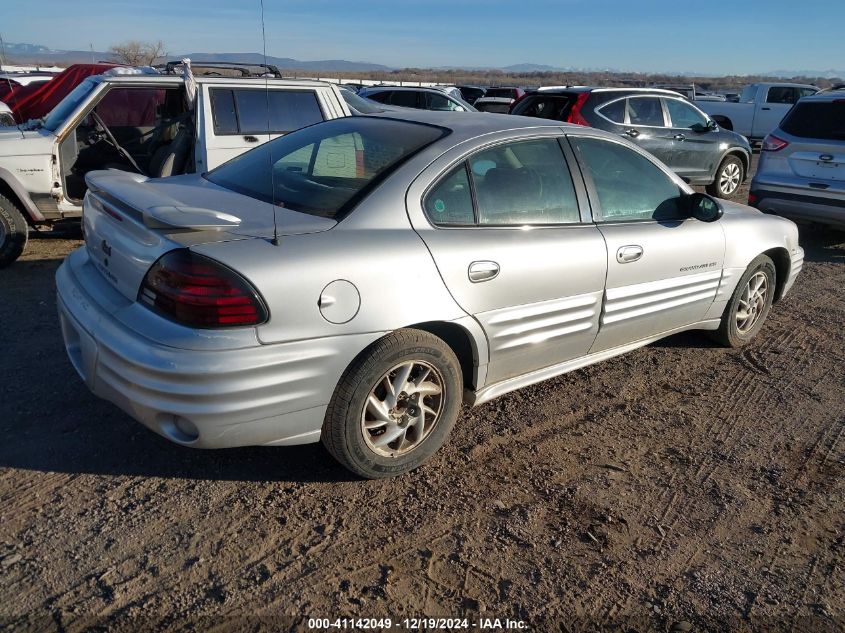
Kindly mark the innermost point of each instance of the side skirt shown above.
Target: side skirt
(475, 398)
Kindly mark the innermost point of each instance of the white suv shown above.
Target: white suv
(144, 124)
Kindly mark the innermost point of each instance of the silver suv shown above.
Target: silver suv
(802, 163)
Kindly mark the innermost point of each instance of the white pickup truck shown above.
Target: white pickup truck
(760, 108)
(142, 123)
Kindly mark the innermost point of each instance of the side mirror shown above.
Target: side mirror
(704, 208)
(460, 108)
(712, 125)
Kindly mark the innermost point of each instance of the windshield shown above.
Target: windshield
(66, 106)
(327, 168)
(749, 93)
(359, 104)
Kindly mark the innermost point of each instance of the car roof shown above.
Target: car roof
(833, 94)
(203, 79)
(406, 88)
(580, 89)
(467, 125)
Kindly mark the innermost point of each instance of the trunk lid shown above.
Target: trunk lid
(129, 221)
(818, 160)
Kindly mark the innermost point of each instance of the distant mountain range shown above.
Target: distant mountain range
(37, 54)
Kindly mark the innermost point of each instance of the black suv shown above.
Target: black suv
(660, 121)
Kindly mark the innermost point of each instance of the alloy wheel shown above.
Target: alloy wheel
(402, 409)
(729, 178)
(752, 302)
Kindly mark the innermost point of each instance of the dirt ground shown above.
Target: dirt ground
(682, 486)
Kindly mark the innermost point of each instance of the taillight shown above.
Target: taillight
(197, 291)
(575, 115)
(752, 199)
(773, 143)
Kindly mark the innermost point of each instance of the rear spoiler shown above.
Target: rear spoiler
(126, 195)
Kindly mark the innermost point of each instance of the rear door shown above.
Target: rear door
(239, 118)
(646, 125)
(504, 229)
(663, 267)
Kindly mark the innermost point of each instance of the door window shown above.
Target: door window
(526, 182)
(254, 111)
(645, 111)
(628, 185)
(684, 115)
(439, 102)
(450, 202)
(781, 94)
(404, 98)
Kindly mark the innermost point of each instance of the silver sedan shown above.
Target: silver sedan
(356, 281)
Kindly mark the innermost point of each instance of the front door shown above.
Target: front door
(663, 267)
(696, 147)
(504, 229)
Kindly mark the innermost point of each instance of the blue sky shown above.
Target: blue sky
(715, 36)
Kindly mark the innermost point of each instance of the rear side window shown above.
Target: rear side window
(614, 111)
(628, 185)
(553, 107)
(823, 120)
(515, 184)
(245, 111)
(645, 111)
(450, 202)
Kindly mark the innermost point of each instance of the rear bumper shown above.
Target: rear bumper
(798, 205)
(260, 395)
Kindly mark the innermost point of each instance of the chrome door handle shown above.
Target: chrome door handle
(680, 137)
(628, 254)
(483, 271)
(249, 138)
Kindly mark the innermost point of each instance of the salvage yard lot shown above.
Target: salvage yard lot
(681, 482)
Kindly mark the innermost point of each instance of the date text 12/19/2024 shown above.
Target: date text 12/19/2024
(414, 624)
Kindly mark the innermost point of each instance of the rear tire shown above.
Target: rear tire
(14, 232)
(729, 177)
(395, 405)
(749, 305)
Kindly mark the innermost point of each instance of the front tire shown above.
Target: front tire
(749, 305)
(729, 176)
(14, 232)
(395, 405)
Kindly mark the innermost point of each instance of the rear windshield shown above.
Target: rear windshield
(327, 168)
(817, 119)
(554, 107)
(507, 93)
